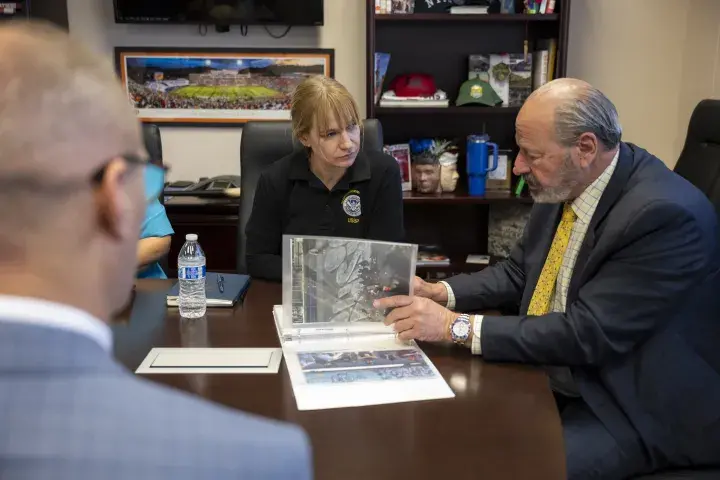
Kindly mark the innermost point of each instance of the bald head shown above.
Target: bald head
(61, 108)
(70, 198)
(572, 107)
(561, 89)
(568, 133)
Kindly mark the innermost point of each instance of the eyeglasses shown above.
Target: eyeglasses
(154, 175)
(154, 179)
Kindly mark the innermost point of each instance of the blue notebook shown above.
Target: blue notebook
(221, 289)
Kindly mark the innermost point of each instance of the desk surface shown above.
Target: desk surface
(503, 422)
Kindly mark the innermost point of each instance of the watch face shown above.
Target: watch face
(461, 329)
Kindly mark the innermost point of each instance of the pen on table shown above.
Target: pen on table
(221, 283)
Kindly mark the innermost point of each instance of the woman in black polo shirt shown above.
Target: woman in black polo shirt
(331, 188)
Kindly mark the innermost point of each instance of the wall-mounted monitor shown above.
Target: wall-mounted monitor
(220, 12)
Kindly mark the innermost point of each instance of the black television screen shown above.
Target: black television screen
(220, 12)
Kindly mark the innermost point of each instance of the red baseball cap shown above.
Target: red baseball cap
(414, 85)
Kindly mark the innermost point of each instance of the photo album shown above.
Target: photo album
(337, 349)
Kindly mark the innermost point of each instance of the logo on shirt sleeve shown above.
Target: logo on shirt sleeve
(351, 205)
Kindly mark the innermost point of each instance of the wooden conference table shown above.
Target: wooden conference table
(502, 424)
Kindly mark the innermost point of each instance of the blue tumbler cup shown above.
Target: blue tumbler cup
(477, 162)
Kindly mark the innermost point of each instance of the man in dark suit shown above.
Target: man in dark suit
(616, 285)
(74, 187)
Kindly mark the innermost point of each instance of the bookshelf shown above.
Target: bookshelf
(440, 44)
(444, 17)
(54, 11)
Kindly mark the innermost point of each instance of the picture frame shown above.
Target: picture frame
(216, 86)
(500, 179)
(401, 153)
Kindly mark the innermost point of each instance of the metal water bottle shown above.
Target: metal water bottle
(477, 162)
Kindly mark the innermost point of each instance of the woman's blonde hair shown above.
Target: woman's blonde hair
(319, 99)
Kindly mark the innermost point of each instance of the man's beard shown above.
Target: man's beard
(569, 180)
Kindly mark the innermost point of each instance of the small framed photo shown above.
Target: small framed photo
(401, 153)
(500, 179)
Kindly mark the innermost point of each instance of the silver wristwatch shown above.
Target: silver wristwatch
(460, 329)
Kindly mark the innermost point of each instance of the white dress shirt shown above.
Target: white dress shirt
(33, 311)
(584, 207)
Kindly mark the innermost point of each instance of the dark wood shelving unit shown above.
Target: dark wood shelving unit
(456, 266)
(452, 110)
(445, 17)
(461, 197)
(440, 44)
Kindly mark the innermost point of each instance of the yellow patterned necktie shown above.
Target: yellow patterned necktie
(540, 301)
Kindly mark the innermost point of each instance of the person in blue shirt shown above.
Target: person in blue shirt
(156, 229)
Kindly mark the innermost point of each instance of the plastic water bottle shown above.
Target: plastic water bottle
(191, 277)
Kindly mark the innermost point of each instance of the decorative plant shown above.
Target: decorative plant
(430, 149)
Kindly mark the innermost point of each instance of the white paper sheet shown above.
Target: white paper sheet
(371, 370)
(211, 360)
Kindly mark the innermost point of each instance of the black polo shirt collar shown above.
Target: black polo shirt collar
(358, 172)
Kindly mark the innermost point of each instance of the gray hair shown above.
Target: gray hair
(588, 111)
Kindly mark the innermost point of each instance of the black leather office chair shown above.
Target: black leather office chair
(699, 161)
(700, 474)
(153, 145)
(265, 142)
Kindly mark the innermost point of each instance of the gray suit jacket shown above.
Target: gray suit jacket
(68, 411)
(641, 331)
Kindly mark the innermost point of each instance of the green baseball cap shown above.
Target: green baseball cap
(477, 91)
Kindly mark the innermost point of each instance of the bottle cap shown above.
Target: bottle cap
(191, 237)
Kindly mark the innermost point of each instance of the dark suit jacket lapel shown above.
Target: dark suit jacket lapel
(610, 196)
(548, 215)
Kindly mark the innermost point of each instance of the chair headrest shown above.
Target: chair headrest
(703, 123)
(153, 143)
(265, 142)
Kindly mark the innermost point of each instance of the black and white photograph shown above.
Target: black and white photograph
(336, 280)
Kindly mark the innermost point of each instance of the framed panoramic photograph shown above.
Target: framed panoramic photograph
(196, 86)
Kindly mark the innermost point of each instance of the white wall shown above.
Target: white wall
(194, 152)
(655, 59)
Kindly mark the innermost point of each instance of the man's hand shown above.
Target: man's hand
(417, 318)
(434, 291)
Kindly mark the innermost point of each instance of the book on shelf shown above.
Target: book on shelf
(401, 153)
(509, 74)
(389, 99)
(540, 68)
(384, 7)
(544, 61)
(382, 61)
(432, 258)
(338, 351)
(469, 9)
(543, 7)
(478, 259)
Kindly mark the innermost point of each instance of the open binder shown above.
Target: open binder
(338, 351)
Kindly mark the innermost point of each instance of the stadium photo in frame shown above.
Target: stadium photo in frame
(214, 86)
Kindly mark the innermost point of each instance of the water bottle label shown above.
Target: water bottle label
(191, 273)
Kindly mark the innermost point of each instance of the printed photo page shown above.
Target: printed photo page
(329, 284)
(362, 370)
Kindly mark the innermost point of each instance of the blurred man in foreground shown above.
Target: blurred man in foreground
(615, 283)
(73, 196)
